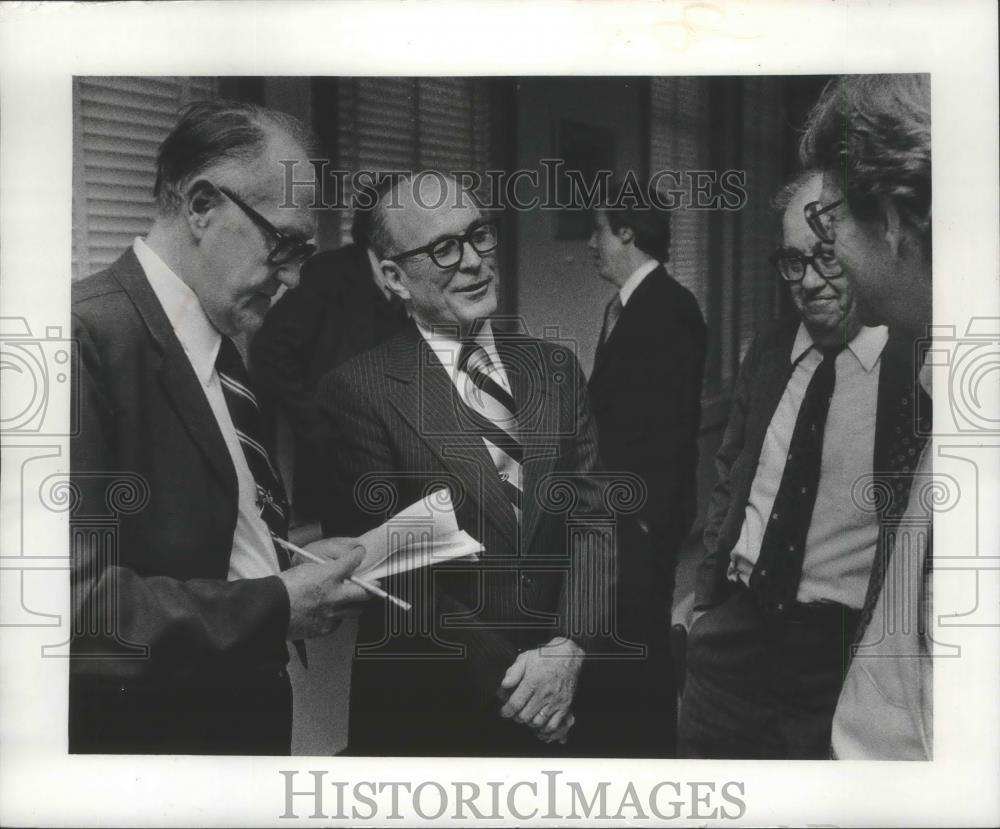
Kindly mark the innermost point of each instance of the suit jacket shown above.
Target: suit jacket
(765, 372)
(335, 313)
(157, 627)
(646, 392)
(396, 429)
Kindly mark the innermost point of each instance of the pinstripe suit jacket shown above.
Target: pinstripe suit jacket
(395, 429)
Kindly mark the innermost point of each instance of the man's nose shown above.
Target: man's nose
(289, 275)
(471, 258)
(811, 280)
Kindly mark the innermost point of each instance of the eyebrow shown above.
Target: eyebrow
(455, 235)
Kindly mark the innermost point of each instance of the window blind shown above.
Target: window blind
(762, 160)
(412, 123)
(678, 127)
(119, 123)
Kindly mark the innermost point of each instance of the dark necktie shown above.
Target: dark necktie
(493, 411)
(905, 447)
(249, 424)
(775, 578)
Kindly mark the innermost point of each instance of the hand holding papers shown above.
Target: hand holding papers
(423, 534)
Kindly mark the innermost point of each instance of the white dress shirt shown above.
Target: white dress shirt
(253, 554)
(842, 538)
(635, 280)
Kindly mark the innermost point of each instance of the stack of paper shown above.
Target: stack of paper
(423, 534)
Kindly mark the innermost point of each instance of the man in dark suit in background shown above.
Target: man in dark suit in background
(646, 393)
(180, 620)
(340, 309)
(487, 661)
(821, 401)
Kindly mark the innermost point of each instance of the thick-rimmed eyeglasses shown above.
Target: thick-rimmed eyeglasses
(447, 251)
(287, 249)
(820, 221)
(791, 264)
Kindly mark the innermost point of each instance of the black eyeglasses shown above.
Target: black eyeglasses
(447, 252)
(287, 249)
(819, 220)
(791, 264)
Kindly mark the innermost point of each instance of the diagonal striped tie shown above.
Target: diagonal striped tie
(493, 411)
(249, 424)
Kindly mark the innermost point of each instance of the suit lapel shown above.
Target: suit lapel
(531, 383)
(177, 377)
(429, 403)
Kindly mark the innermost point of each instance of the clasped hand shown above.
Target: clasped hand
(538, 689)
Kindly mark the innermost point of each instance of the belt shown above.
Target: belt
(811, 613)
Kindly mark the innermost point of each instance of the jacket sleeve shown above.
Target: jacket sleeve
(707, 584)
(127, 625)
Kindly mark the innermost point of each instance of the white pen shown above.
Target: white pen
(374, 589)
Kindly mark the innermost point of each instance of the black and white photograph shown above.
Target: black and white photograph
(416, 433)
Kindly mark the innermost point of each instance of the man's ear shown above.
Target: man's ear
(395, 279)
(626, 235)
(199, 201)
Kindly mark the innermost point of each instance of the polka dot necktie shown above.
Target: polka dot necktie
(775, 578)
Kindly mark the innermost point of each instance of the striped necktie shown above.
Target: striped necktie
(249, 424)
(493, 411)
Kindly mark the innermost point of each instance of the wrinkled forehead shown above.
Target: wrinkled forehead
(428, 207)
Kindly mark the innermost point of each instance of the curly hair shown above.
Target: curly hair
(873, 132)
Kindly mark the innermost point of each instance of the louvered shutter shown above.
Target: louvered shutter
(119, 124)
(410, 124)
(762, 113)
(678, 130)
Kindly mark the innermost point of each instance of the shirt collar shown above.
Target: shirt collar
(635, 280)
(447, 348)
(866, 346)
(199, 338)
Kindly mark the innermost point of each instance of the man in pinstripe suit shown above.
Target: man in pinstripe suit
(488, 660)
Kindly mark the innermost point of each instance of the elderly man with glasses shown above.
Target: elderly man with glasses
(789, 542)
(183, 615)
(488, 660)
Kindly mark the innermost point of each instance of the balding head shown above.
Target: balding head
(426, 211)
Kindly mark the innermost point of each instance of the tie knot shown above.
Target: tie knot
(229, 361)
(830, 352)
(472, 356)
